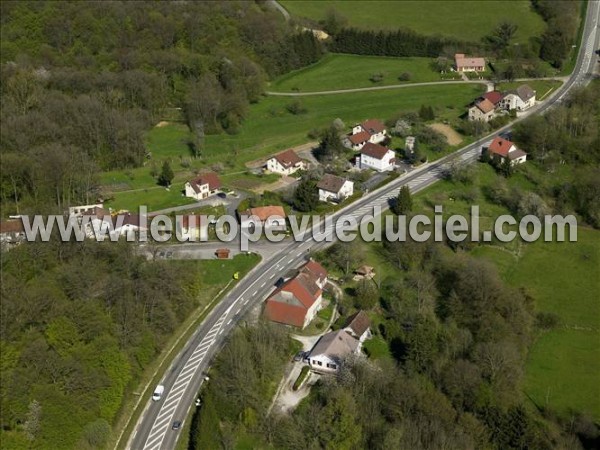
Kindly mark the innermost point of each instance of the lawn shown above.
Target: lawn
(337, 71)
(269, 128)
(466, 20)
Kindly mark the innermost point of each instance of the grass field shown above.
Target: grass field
(269, 128)
(467, 20)
(337, 71)
(563, 278)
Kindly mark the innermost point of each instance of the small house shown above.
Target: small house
(331, 349)
(334, 188)
(504, 149)
(203, 186)
(377, 157)
(285, 163)
(468, 64)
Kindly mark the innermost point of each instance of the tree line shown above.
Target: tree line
(394, 43)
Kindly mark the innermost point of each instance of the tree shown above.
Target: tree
(306, 196)
(501, 36)
(345, 254)
(166, 175)
(330, 145)
(334, 21)
(33, 424)
(426, 113)
(404, 202)
(367, 294)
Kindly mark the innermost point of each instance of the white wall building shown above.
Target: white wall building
(334, 188)
(377, 157)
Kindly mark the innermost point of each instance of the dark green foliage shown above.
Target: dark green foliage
(560, 34)
(392, 43)
(166, 175)
(501, 36)
(306, 196)
(426, 113)
(296, 108)
(330, 146)
(403, 203)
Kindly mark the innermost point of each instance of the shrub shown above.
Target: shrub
(301, 378)
(406, 76)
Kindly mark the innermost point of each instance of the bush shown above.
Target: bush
(296, 108)
(546, 321)
(406, 76)
(376, 77)
(301, 378)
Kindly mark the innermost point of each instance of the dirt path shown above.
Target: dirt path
(453, 137)
(399, 86)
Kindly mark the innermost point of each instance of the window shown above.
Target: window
(331, 366)
(319, 363)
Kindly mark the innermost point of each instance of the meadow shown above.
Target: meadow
(466, 20)
(269, 128)
(338, 71)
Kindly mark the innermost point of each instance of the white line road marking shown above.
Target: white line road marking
(263, 285)
(291, 259)
(246, 301)
(255, 292)
(230, 320)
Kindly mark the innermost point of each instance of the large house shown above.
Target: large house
(483, 111)
(285, 163)
(471, 64)
(489, 104)
(519, 99)
(371, 130)
(270, 217)
(504, 149)
(298, 299)
(358, 325)
(203, 186)
(331, 349)
(376, 157)
(78, 211)
(334, 188)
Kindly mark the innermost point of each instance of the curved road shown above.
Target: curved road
(184, 378)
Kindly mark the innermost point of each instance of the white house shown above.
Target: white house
(358, 325)
(520, 99)
(203, 187)
(285, 163)
(505, 149)
(78, 211)
(371, 130)
(270, 217)
(330, 351)
(377, 157)
(468, 64)
(483, 111)
(334, 188)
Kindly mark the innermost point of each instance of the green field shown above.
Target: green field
(269, 128)
(337, 71)
(467, 20)
(563, 365)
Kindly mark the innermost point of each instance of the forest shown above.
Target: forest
(80, 321)
(82, 82)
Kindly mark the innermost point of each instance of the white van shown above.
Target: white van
(158, 392)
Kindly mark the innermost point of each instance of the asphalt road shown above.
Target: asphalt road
(184, 378)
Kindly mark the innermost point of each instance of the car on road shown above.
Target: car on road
(176, 425)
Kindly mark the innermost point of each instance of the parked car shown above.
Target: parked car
(299, 356)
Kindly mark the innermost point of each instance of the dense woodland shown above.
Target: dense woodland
(81, 83)
(79, 323)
